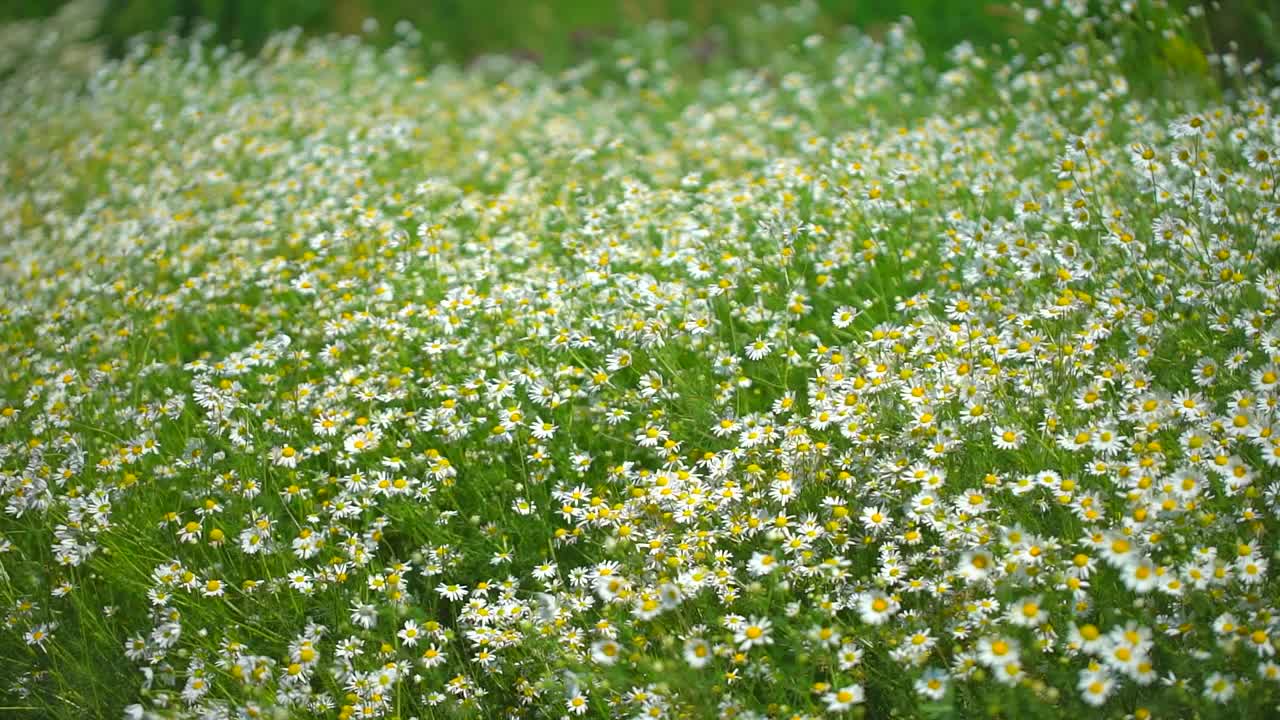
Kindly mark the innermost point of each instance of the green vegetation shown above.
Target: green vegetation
(560, 33)
(844, 373)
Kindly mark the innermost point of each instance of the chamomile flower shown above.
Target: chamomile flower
(526, 408)
(844, 698)
(1095, 686)
(875, 608)
(932, 684)
(754, 633)
(409, 634)
(1219, 688)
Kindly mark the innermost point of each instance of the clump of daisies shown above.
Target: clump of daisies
(831, 386)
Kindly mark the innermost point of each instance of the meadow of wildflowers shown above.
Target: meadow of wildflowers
(836, 385)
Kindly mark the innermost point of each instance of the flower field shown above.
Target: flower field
(828, 385)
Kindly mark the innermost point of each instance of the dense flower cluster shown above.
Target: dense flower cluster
(833, 385)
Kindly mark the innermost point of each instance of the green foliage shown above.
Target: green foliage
(559, 33)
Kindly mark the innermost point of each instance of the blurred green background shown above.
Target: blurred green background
(559, 32)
